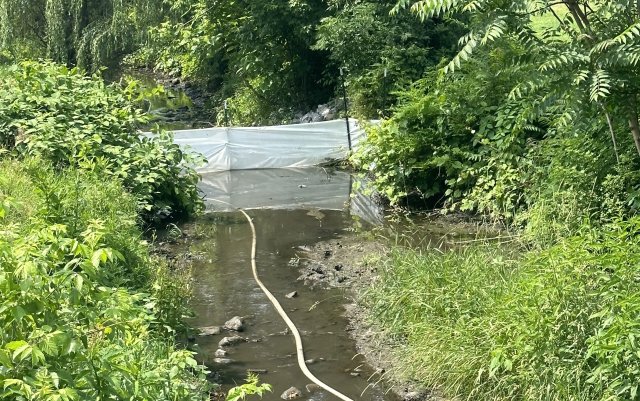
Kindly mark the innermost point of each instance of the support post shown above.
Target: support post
(346, 108)
(226, 115)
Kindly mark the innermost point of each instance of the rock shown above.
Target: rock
(209, 331)
(292, 294)
(294, 262)
(312, 387)
(235, 324)
(291, 393)
(328, 253)
(220, 353)
(222, 361)
(311, 117)
(232, 340)
(326, 112)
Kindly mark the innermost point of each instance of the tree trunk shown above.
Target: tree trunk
(580, 19)
(633, 124)
(612, 132)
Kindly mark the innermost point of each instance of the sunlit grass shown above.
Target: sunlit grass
(490, 323)
(548, 21)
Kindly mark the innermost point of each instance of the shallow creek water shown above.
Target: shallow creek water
(290, 209)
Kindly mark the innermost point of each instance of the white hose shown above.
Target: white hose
(285, 317)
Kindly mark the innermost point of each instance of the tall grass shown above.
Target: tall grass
(485, 323)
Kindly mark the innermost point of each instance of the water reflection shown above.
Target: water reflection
(295, 188)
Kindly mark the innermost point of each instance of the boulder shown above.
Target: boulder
(291, 393)
(232, 340)
(235, 323)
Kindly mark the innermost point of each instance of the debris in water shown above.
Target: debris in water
(209, 331)
(257, 371)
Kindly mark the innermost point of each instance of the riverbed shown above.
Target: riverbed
(292, 210)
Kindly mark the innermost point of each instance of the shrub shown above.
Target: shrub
(62, 116)
(80, 294)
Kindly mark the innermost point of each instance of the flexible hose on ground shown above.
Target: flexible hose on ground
(285, 317)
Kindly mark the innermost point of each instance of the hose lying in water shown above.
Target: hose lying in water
(285, 317)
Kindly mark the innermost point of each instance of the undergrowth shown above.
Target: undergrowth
(489, 323)
(85, 308)
(72, 120)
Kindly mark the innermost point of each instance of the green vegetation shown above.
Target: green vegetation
(87, 312)
(86, 33)
(489, 323)
(85, 308)
(68, 119)
(533, 123)
(524, 112)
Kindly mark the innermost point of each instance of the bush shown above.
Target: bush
(80, 315)
(68, 119)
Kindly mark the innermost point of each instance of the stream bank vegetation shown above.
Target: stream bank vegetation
(524, 112)
(534, 123)
(87, 312)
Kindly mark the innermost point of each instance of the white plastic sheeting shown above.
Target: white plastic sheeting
(281, 146)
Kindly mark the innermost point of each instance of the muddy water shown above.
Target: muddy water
(224, 287)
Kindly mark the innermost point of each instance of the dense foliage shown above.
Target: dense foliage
(60, 115)
(271, 59)
(84, 310)
(523, 111)
(539, 113)
(87, 33)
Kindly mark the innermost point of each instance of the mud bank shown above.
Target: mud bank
(351, 262)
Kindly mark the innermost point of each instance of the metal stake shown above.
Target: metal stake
(346, 107)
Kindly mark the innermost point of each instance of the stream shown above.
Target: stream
(292, 209)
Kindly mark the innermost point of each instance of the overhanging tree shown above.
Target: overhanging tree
(587, 58)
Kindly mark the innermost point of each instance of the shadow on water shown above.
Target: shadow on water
(290, 208)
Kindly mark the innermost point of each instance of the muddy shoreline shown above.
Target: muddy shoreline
(344, 259)
(352, 261)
